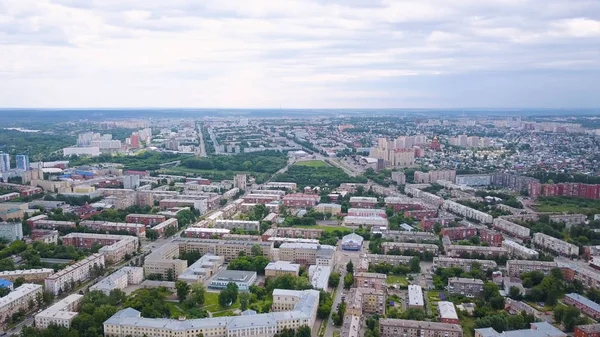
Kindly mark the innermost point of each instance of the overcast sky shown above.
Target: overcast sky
(300, 54)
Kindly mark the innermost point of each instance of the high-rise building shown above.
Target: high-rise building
(23, 162)
(4, 162)
(131, 182)
(134, 141)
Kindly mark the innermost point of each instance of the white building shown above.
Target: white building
(79, 271)
(512, 228)
(319, 276)
(243, 224)
(515, 249)
(467, 212)
(11, 231)
(120, 279)
(415, 296)
(201, 270)
(556, 245)
(92, 151)
(365, 221)
(62, 313)
(19, 299)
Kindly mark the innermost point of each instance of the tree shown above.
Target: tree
(514, 293)
(198, 293)
(244, 300)
(348, 281)
(170, 275)
(303, 331)
(415, 264)
(256, 250)
(182, 290)
(490, 290)
(229, 295)
(19, 282)
(334, 279)
(350, 267)
(497, 302)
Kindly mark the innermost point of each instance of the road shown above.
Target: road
(201, 141)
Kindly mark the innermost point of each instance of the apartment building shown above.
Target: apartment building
(589, 330)
(114, 247)
(474, 180)
(136, 229)
(79, 271)
(588, 276)
(260, 198)
(29, 275)
(328, 208)
(291, 232)
(464, 264)
(205, 232)
(538, 329)
(389, 327)
(363, 202)
(120, 279)
(242, 224)
(201, 270)
(199, 204)
(491, 237)
(399, 177)
(319, 276)
(367, 212)
(278, 268)
(307, 253)
(568, 219)
(370, 280)
(12, 210)
(420, 214)
(61, 313)
(459, 251)
(408, 246)
(162, 227)
(279, 185)
(146, 219)
(512, 228)
(11, 231)
(394, 260)
(459, 233)
(514, 268)
(303, 311)
(365, 221)
(588, 307)
(406, 236)
(401, 203)
(228, 249)
(467, 212)
(518, 250)
(427, 224)
(47, 236)
(556, 245)
(163, 261)
(468, 287)
(362, 301)
(301, 200)
(52, 224)
(433, 176)
(18, 300)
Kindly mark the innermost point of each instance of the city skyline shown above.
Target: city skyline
(311, 54)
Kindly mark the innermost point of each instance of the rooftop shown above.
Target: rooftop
(234, 275)
(283, 266)
(585, 301)
(447, 310)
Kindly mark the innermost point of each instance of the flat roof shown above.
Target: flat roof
(234, 275)
(415, 295)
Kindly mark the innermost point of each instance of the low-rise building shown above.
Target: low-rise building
(228, 249)
(459, 233)
(460, 251)
(114, 247)
(365, 221)
(278, 268)
(164, 262)
(556, 245)
(242, 224)
(407, 236)
(319, 276)
(162, 227)
(19, 300)
(137, 229)
(415, 296)
(394, 260)
(146, 219)
(389, 327)
(468, 287)
(370, 280)
(205, 232)
(464, 264)
(587, 306)
(491, 237)
(589, 330)
(467, 212)
(514, 268)
(363, 202)
(61, 314)
(47, 236)
(538, 329)
(79, 271)
(201, 270)
(447, 312)
(243, 279)
(327, 208)
(296, 200)
(367, 212)
(387, 247)
(120, 279)
(512, 228)
(517, 250)
(28, 275)
(307, 253)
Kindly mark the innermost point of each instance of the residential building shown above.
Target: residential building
(300, 200)
(491, 237)
(243, 279)
(278, 268)
(512, 228)
(318, 276)
(408, 236)
(460, 251)
(292, 232)
(307, 253)
(47, 236)
(11, 231)
(242, 224)
(205, 232)
(228, 249)
(12, 210)
(29, 275)
(363, 202)
(240, 181)
(280, 185)
(163, 261)
(568, 219)
(517, 250)
(4, 162)
(367, 212)
(61, 313)
(146, 219)
(538, 329)
(394, 260)
(587, 306)
(19, 300)
(402, 203)
(514, 268)
(22, 162)
(120, 279)
(365, 221)
(467, 212)
(433, 176)
(589, 330)
(415, 296)
(394, 158)
(447, 312)
(79, 271)
(370, 280)
(408, 246)
(464, 264)
(468, 287)
(389, 327)
(161, 228)
(556, 245)
(399, 177)
(459, 233)
(474, 180)
(114, 247)
(133, 228)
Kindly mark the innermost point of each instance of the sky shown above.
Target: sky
(300, 54)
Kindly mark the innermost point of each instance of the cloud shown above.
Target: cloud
(294, 53)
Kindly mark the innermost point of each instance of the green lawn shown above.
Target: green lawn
(567, 204)
(397, 279)
(326, 228)
(312, 163)
(468, 324)
(211, 303)
(176, 311)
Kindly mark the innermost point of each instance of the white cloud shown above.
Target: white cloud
(262, 53)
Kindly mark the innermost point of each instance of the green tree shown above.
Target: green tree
(198, 293)
(229, 295)
(514, 293)
(256, 250)
(415, 264)
(303, 331)
(244, 300)
(334, 279)
(350, 267)
(348, 281)
(183, 290)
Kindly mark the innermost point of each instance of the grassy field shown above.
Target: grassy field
(211, 303)
(176, 311)
(326, 228)
(396, 279)
(468, 324)
(312, 163)
(433, 297)
(567, 204)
